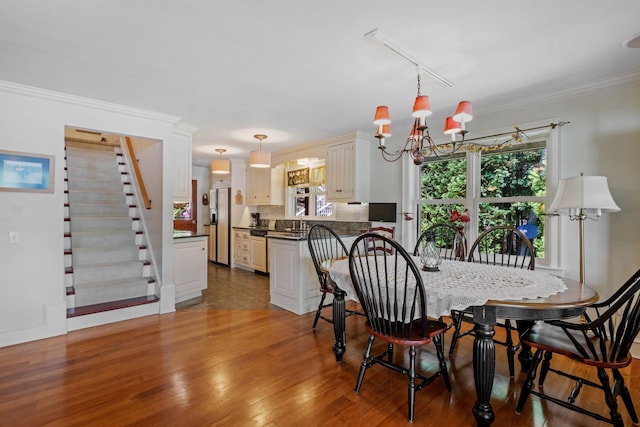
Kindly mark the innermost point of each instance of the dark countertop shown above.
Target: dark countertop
(180, 234)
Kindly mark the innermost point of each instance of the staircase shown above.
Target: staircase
(106, 264)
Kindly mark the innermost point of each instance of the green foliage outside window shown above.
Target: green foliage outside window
(503, 174)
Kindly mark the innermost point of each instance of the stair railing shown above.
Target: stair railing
(138, 174)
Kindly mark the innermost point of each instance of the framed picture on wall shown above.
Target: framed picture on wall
(26, 172)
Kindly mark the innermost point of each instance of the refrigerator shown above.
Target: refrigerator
(220, 226)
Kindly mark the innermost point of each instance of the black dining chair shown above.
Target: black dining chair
(325, 244)
(393, 297)
(602, 342)
(448, 240)
(502, 246)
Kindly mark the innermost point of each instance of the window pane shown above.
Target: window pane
(514, 173)
(302, 206)
(323, 208)
(444, 179)
(524, 215)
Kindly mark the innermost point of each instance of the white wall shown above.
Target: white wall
(603, 138)
(32, 292)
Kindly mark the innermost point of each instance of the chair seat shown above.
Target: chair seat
(548, 337)
(407, 333)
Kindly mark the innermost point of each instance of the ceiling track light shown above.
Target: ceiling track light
(376, 36)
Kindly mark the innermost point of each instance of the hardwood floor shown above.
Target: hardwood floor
(232, 359)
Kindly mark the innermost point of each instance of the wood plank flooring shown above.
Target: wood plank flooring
(232, 359)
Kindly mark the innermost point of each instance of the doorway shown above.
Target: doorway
(185, 214)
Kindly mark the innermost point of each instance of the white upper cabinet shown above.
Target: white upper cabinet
(265, 186)
(182, 136)
(348, 169)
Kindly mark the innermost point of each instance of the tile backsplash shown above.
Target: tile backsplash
(349, 219)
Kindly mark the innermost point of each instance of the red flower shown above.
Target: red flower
(456, 217)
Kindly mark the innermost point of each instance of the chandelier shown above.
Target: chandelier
(419, 143)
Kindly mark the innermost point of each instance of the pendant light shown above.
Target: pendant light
(260, 159)
(220, 166)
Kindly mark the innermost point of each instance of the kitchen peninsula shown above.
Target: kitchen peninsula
(293, 282)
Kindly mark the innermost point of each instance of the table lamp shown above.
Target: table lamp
(583, 197)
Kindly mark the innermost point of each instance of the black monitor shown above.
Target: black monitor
(382, 212)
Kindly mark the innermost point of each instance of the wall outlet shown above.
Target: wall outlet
(14, 237)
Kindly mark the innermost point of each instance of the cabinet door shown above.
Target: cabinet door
(190, 267)
(253, 185)
(182, 165)
(340, 172)
(259, 253)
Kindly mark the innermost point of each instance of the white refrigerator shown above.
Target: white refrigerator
(220, 227)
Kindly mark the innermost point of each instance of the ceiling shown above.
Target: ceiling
(302, 71)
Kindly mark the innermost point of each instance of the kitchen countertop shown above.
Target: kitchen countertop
(287, 234)
(181, 234)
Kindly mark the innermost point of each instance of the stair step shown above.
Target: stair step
(103, 238)
(95, 185)
(104, 223)
(112, 254)
(98, 209)
(91, 274)
(113, 290)
(106, 174)
(112, 305)
(76, 196)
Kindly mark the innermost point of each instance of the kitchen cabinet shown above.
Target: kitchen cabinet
(189, 267)
(347, 167)
(293, 282)
(181, 162)
(259, 253)
(265, 186)
(242, 248)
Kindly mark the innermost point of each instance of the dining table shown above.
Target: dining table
(491, 292)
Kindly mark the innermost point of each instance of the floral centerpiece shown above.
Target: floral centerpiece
(458, 219)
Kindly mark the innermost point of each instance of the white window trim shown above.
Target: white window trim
(411, 177)
(290, 206)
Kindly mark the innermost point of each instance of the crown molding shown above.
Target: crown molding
(49, 95)
(570, 92)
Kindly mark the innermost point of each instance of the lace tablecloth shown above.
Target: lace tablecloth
(459, 285)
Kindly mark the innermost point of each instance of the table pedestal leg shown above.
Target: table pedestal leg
(484, 363)
(338, 323)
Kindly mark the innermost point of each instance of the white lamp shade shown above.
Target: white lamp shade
(220, 167)
(583, 192)
(260, 159)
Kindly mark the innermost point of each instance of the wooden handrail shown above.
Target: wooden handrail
(136, 170)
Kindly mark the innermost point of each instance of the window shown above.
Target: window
(307, 193)
(501, 187)
(311, 201)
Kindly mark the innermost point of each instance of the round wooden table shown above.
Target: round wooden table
(569, 302)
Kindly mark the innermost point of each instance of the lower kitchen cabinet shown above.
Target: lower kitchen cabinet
(259, 260)
(189, 267)
(293, 282)
(242, 248)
